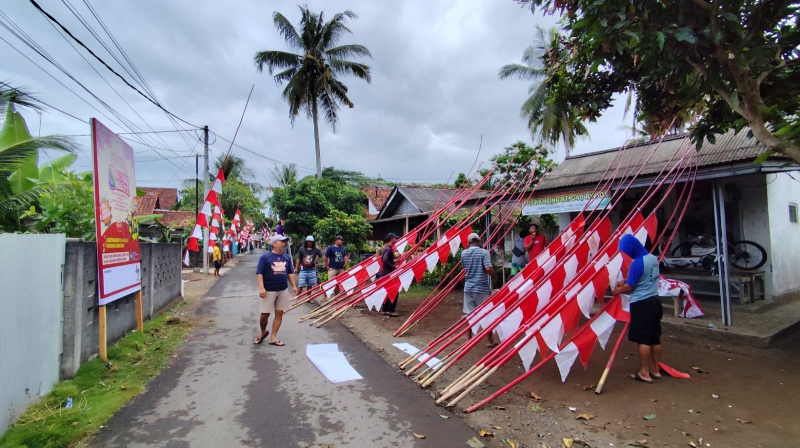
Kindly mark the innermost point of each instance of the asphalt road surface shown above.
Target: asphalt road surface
(223, 391)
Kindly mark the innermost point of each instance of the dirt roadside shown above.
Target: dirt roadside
(745, 399)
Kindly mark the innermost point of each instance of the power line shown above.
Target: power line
(40, 101)
(263, 156)
(53, 19)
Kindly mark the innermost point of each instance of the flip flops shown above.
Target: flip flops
(636, 377)
(277, 343)
(258, 341)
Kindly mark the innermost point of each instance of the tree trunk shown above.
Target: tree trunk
(316, 136)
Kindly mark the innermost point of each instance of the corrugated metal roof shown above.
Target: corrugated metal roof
(589, 168)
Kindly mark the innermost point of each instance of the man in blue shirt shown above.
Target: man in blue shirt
(336, 258)
(477, 264)
(646, 311)
(274, 274)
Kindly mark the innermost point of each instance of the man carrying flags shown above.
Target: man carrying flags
(478, 267)
(275, 273)
(646, 310)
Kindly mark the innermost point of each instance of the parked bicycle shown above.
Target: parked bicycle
(703, 251)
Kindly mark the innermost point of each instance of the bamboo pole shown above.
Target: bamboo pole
(139, 312)
(603, 377)
(102, 336)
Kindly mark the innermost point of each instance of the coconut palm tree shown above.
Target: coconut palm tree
(549, 122)
(311, 73)
(284, 175)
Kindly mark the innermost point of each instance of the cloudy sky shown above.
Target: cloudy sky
(434, 89)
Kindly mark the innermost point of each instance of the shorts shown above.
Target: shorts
(275, 300)
(646, 321)
(473, 299)
(333, 273)
(516, 268)
(307, 278)
(217, 264)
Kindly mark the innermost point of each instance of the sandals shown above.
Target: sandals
(277, 343)
(258, 341)
(636, 377)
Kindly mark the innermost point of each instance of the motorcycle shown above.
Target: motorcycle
(703, 251)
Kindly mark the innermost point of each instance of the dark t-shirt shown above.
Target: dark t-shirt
(276, 269)
(335, 256)
(308, 258)
(388, 260)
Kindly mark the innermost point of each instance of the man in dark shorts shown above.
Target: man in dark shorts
(646, 311)
(388, 261)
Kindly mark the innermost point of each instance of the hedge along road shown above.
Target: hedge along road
(224, 391)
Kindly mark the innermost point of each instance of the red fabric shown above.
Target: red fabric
(672, 372)
(444, 252)
(571, 315)
(464, 234)
(616, 311)
(361, 275)
(419, 267)
(600, 283)
(538, 245)
(212, 197)
(584, 340)
(221, 175)
(392, 287)
(192, 246)
(202, 220)
(651, 225)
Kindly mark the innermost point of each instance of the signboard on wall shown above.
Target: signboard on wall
(567, 202)
(118, 256)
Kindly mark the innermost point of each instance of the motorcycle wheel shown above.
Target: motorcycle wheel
(746, 255)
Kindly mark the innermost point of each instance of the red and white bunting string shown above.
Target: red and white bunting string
(209, 216)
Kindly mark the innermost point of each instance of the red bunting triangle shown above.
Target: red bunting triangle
(212, 197)
(600, 283)
(584, 340)
(202, 220)
(392, 287)
(571, 315)
(419, 268)
(361, 275)
(192, 246)
(444, 252)
(651, 225)
(221, 175)
(464, 234)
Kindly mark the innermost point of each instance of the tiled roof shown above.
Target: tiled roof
(146, 204)
(377, 195)
(167, 197)
(590, 168)
(176, 219)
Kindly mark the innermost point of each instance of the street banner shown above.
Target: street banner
(118, 256)
(564, 203)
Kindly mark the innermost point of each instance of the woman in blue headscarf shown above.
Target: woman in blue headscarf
(646, 310)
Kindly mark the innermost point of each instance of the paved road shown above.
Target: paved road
(223, 391)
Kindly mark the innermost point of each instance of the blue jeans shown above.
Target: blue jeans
(307, 278)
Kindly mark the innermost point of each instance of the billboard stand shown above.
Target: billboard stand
(116, 225)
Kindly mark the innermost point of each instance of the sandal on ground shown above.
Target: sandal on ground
(257, 341)
(655, 377)
(492, 345)
(636, 377)
(277, 343)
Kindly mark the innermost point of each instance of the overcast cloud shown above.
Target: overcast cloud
(434, 88)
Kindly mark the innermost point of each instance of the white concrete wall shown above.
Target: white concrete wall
(754, 219)
(30, 320)
(781, 191)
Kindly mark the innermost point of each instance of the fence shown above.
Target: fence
(30, 320)
(161, 284)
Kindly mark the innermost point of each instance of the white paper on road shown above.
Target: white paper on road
(331, 362)
(411, 350)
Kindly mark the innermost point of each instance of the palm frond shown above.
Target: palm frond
(288, 31)
(346, 51)
(17, 96)
(12, 155)
(332, 31)
(276, 60)
(285, 75)
(357, 69)
(330, 108)
(520, 72)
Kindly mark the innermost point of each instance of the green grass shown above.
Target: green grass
(98, 391)
(417, 290)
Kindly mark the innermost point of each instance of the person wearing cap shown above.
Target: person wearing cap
(274, 274)
(641, 286)
(477, 264)
(388, 262)
(307, 258)
(336, 258)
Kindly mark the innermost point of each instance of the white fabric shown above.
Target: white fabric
(401, 245)
(566, 359)
(602, 326)
(214, 223)
(329, 287)
(349, 283)
(411, 350)
(542, 257)
(373, 268)
(572, 292)
(217, 210)
(548, 265)
(455, 243)
(186, 258)
(528, 352)
(614, 266)
(510, 324)
(543, 294)
(493, 315)
(375, 300)
(553, 332)
(217, 186)
(431, 260)
(206, 210)
(331, 362)
(586, 299)
(212, 237)
(197, 232)
(515, 281)
(474, 321)
(570, 269)
(602, 262)
(406, 278)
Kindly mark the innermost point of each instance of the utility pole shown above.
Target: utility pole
(205, 195)
(196, 184)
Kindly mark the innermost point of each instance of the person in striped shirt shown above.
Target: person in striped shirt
(478, 267)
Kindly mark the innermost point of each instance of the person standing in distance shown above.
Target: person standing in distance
(274, 274)
(217, 256)
(534, 243)
(336, 257)
(388, 261)
(519, 259)
(307, 258)
(646, 310)
(478, 267)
